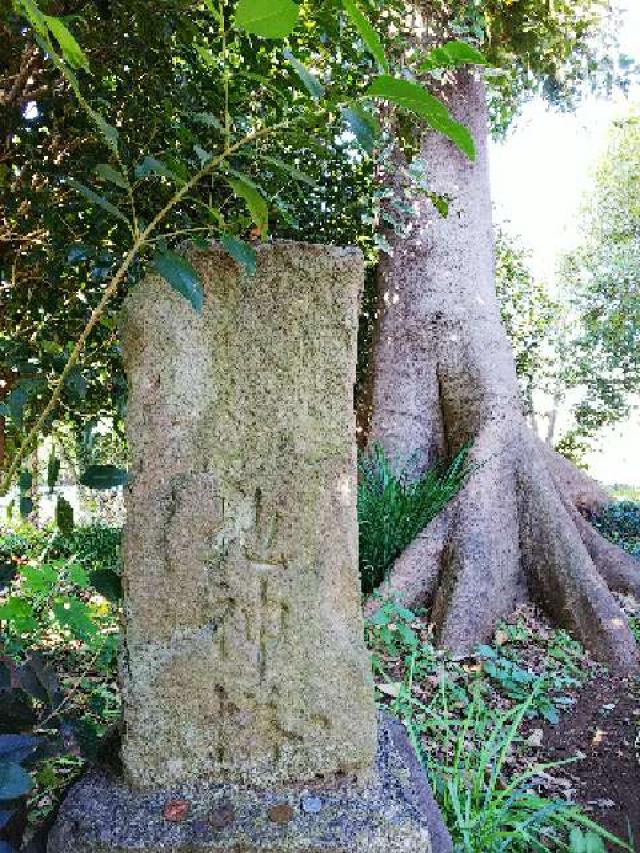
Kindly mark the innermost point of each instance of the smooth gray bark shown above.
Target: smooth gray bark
(444, 375)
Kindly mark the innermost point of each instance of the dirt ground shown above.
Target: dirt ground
(604, 727)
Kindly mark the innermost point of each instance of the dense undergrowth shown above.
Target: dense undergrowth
(59, 614)
(620, 523)
(467, 720)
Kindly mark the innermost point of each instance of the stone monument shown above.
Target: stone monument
(249, 716)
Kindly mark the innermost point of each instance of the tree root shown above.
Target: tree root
(515, 533)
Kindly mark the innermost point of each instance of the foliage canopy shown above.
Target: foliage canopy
(163, 95)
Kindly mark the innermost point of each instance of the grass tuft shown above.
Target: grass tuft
(393, 509)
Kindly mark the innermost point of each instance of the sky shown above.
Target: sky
(540, 175)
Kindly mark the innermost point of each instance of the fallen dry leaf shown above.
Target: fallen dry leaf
(392, 690)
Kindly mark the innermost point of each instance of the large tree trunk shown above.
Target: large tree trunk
(444, 375)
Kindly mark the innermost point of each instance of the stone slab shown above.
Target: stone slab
(393, 812)
(244, 659)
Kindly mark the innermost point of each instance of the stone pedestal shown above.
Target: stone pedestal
(393, 812)
(246, 682)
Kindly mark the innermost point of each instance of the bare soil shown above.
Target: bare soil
(604, 729)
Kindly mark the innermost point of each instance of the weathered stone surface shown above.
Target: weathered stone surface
(248, 701)
(393, 813)
(244, 657)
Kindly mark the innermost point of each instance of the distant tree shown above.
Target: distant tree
(532, 321)
(601, 278)
(559, 50)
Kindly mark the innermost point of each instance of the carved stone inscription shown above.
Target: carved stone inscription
(244, 657)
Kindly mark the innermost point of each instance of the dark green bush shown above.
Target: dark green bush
(35, 561)
(620, 523)
(97, 546)
(94, 546)
(393, 509)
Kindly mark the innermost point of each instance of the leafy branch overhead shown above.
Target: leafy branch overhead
(215, 189)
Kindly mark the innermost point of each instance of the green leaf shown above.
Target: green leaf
(271, 19)
(215, 11)
(245, 189)
(18, 613)
(366, 32)
(33, 15)
(413, 97)
(64, 516)
(71, 50)
(363, 125)
(74, 614)
(104, 477)
(461, 52)
(153, 166)
(551, 715)
(407, 634)
(53, 470)
(208, 120)
(110, 133)
(26, 506)
(202, 155)
(241, 252)
(182, 277)
(458, 134)
(77, 575)
(451, 54)
(485, 651)
(41, 579)
(407, 94)
(577, 841)
(25, 481)
(311, 84)
(441, 204)
(108, 173)
(14, 781)
(96, 199)
(296, 174)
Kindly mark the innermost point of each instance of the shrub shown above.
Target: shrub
(93, 547)
(393, 509)
(58, 646)
(620, 523)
